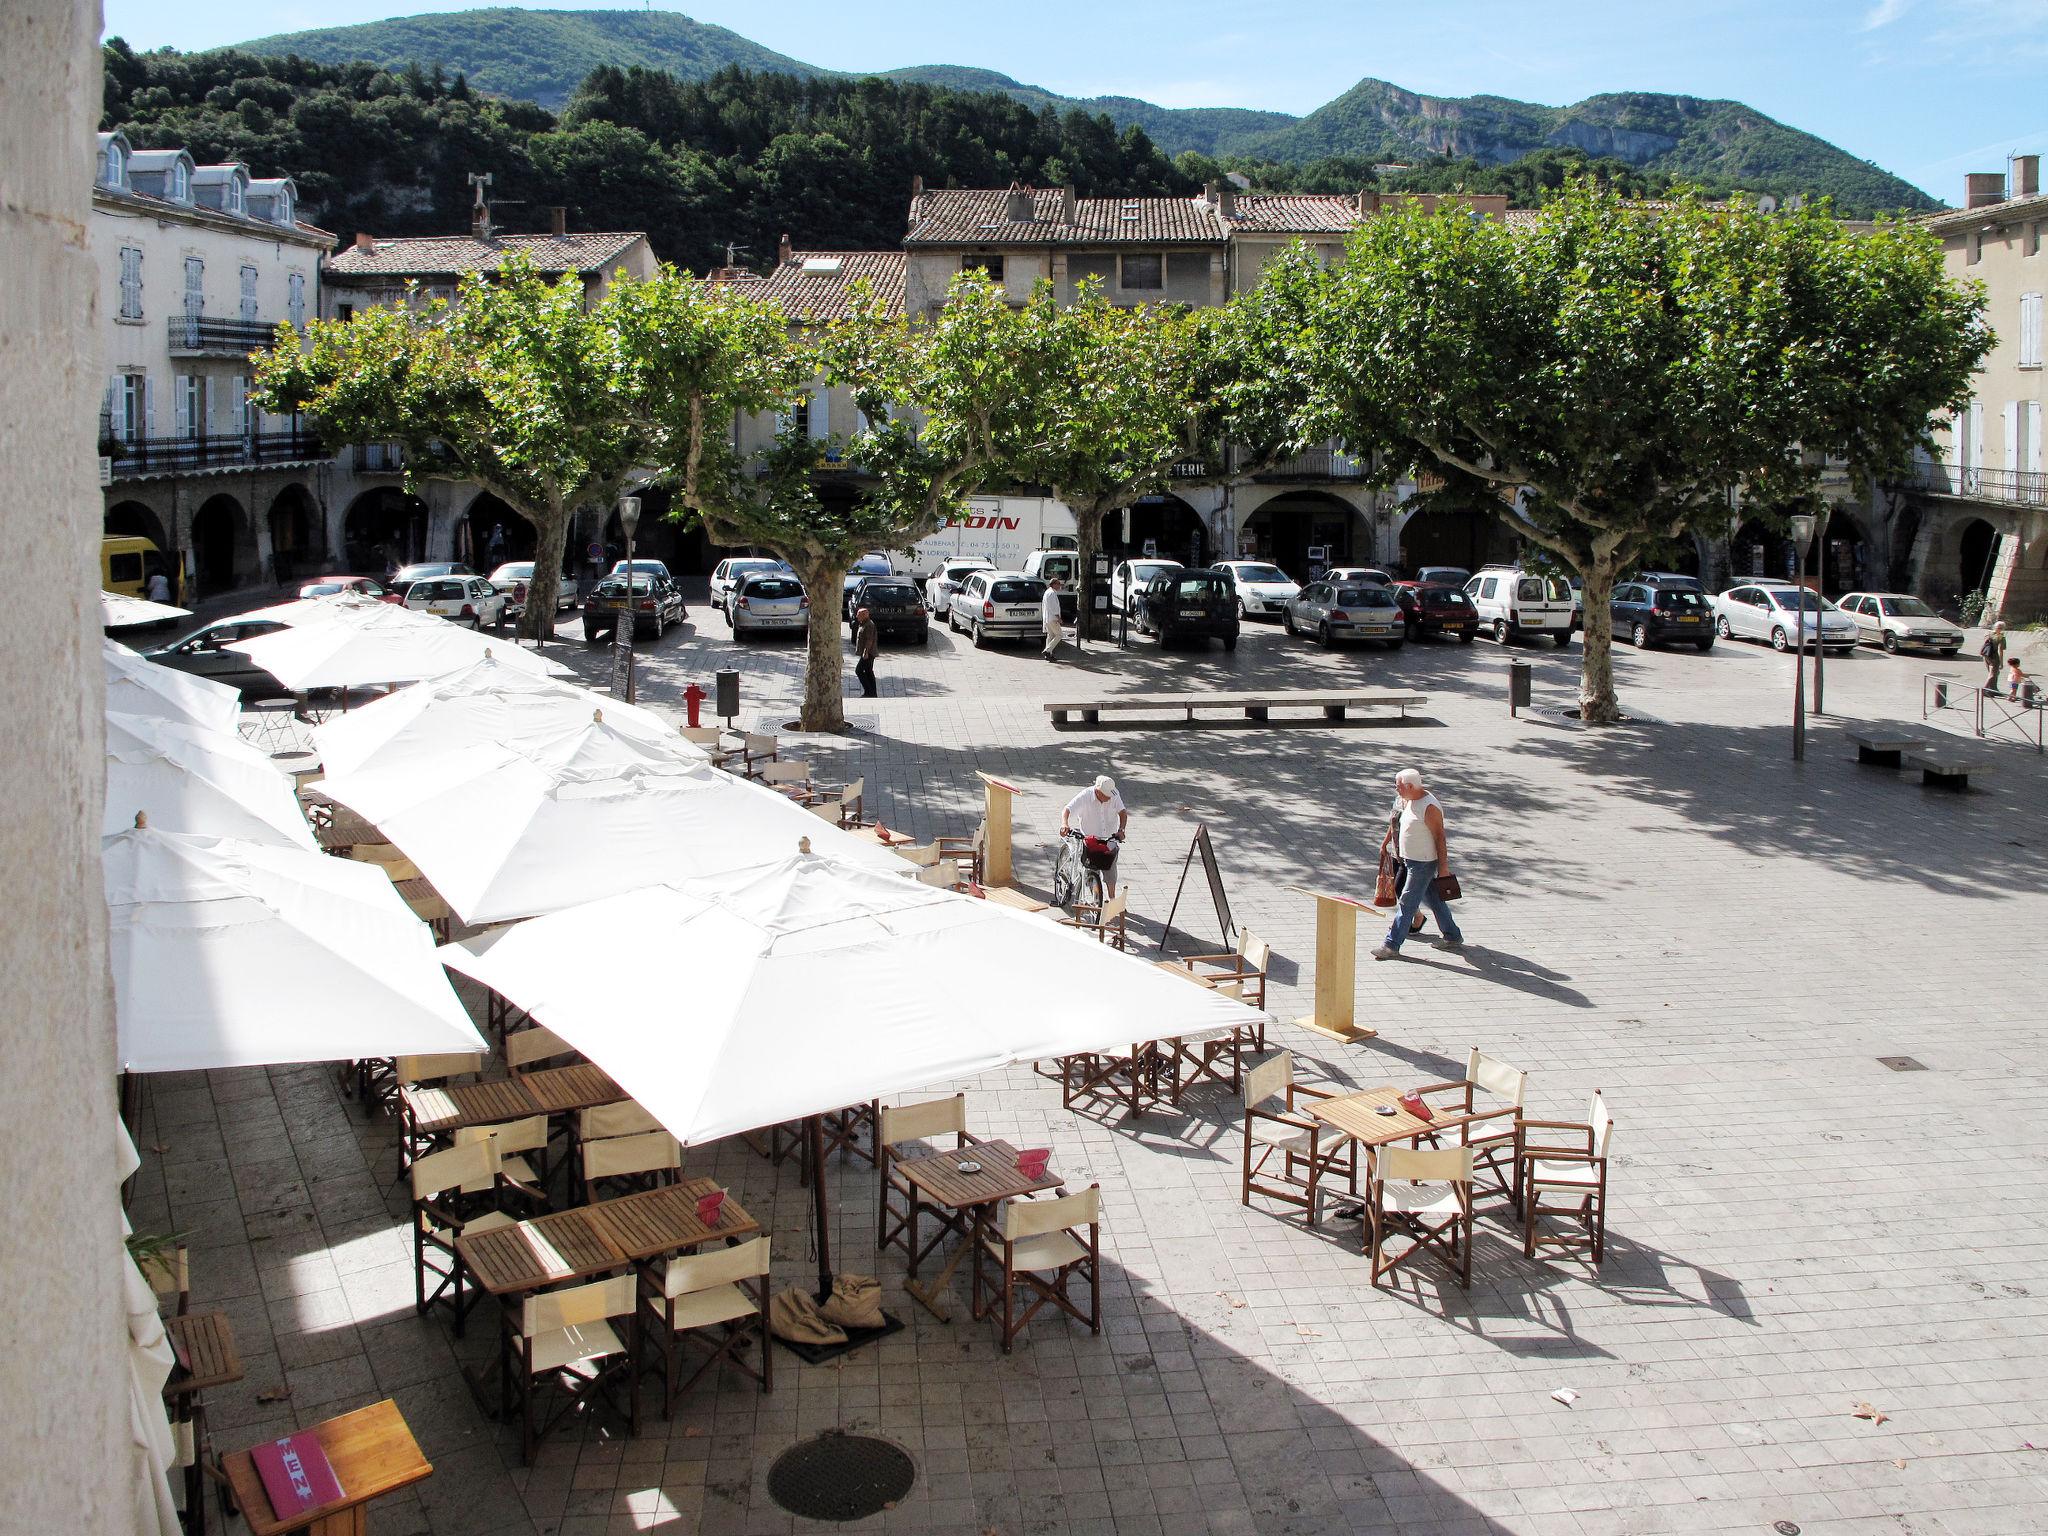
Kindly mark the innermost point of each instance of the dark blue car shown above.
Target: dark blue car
(1663, 611)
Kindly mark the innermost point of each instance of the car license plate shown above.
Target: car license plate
(1688, 618)
(1191, 613)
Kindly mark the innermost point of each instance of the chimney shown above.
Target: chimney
(1222, 196)
(366, 242)
(785, 253)
(1983, 188)
(480, 220)
(558, 221)
(1020, 205)
(2026, 175)
(1067, 208)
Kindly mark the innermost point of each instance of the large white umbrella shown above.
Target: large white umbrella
(237, 954)
(191, 779)
(485, 703)
(367, 643)
(153, 1447)
(120, 611)
(511, 829)
(139, 687)
(332, 607)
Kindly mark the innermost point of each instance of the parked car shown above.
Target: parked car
(997, 605)
(1449, 575)
(867, 565)
(1046, 564)
(1181, 604)
(945, 581)
(1433, 608)
(1353, 574)
(1671, 579)
(896, 606)
(728, 573)
(1776, 611)
(1260, 589)
(768, 603)
(1333, 611)
(466, 599)
(1898, 621)
(1651, 613)
(1513, 603)
(368, 586)
(654, 602)
(516, 578)
(1136, 575)
(644, 567)
(200, 653)
(406, 575)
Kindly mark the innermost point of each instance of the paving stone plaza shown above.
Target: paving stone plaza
(1670, 911)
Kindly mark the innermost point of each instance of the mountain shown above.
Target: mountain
(542, 56)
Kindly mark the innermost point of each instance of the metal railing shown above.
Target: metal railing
(220, 338)
(2011, 487)
(187, 455)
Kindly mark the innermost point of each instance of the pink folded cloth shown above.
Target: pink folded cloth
(708, 1207)
(1032, 1160)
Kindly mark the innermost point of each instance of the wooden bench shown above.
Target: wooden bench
(1947, 772)
(1256, 706)
(1882, 748)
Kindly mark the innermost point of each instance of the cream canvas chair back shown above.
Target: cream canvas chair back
(1253, 950)
(921, 1122)
(1496, 1077)
(825, 810)
(551, 1310)
(945, 875)
(648, 1152)
(786, 771)
(1450, 1165)
(1274, 1075)
(757, 746)
(1030, 1218)
(853, 790)
(471, 1165)
(420, 1069)
(722, 1266)
(702, 735)
(1116, 906)
(923, 855)
(1602, 1126)
(625, 1118)
(525, 1046)
(512, 1136)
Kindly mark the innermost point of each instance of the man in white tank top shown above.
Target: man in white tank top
(1416, 832)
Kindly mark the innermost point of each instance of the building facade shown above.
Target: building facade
(198, 266)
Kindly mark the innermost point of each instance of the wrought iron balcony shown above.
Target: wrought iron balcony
(191, 455)
(1311, 464)
(204, 336)
(2006, 487)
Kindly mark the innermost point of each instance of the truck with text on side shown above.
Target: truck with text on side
(1003, 530)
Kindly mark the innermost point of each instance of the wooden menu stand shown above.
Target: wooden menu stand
(995, 866)
(1336, 967)
(372, 1452)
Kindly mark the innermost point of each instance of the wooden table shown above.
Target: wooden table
(938, 1178)
(561, 1089)
(1357, 1116)
(207, 1346)
(881, 836)
(1010, 896)
(372, 1452)
(345, 829)
(554, 1091)
(597, 1239)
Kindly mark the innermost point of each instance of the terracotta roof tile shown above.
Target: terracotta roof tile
(1293, 213)
(818, 285)
(953, 216)
(444, 255)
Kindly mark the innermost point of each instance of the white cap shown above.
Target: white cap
(1105, 785)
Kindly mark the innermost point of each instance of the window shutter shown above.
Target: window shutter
(2012, 436)
(111, 409)
(1976, 434)
(238, 403)
(181, 395)
(821, 412)
(149, 407)
(2033, 459)
(2030, 330)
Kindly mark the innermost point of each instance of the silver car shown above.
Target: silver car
(768, 604)
(728, 573)
(1899, 621)
(945, 581)
(1333, 611)
(997, 605)
(1776, 611)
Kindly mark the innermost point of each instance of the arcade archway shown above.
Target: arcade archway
(495, 533)
(134, 519)
(1977, 552)
(298, 546)
(1161, 527)
(1451, 535)
(384, 529)
(1305, 529)
(223, 545)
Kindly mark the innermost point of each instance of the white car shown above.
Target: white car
(513, 580)
(728, 574)
(997, 605)
(466, 599)
(1776, 611)
(644, 568)
(1138, 574)
(1262, 590)
(766, 603)
(938, 592)
(1514, 603)
(1899, 621)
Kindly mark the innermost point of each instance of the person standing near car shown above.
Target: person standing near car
(867, 644)
(1098, 814)
(1417, 836)
(1049, 609)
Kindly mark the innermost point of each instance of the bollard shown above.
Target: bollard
(1520, 675)
(728, 684)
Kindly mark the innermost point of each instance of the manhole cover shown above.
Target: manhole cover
(841, 1477)
(1786, 1528)
(1902, 1063)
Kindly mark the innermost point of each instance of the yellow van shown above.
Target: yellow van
(125, 562)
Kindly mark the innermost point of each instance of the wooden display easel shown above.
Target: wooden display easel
(1336, 966)
(996, 798)
(372, 1453)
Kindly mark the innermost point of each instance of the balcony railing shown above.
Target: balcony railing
(203, 336)
(1311, 464)
(189, 455)
(2010, 487)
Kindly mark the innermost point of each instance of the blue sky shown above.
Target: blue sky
(1928, 89)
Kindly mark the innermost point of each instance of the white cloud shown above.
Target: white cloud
(1884, 13)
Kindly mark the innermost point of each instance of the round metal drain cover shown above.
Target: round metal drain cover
(841, 1477)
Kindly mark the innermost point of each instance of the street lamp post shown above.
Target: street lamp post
(1820, 634)
(1802, 538)
(622, 633)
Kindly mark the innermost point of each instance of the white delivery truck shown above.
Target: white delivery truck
(1003, 530)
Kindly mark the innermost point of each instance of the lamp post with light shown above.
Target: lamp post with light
(1820, 633)
(622, 633)
(1802, 539)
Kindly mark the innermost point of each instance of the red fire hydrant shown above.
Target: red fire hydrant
(694, 696)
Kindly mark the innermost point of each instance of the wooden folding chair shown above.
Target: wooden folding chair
(898, 1202)
(1424, 1195)
(1109, 922)
(515, 1139)
(971, 851)
(756, 752)
(1244, 967)
(1568, 1180)
(567, 1338)
(1494, 1134)
(725, 1290)
(1310, 1151)
(1132, 1078)
(1037, 1245)
(408, 1076)
(454, 1191)
(623, 1165)
(788, 777)
(535, 1048)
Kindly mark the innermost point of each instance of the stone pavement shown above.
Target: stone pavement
(1669, 911)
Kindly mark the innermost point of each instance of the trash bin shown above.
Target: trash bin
(1520, 676)
(728, 682)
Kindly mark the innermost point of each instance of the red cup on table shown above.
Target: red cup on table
(708, 1207)
(1412, 1102)
(1032, 1160)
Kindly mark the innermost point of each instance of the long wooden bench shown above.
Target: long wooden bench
(1882, 748)
(1256, 706)
(1947, 772)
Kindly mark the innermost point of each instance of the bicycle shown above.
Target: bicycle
(1073, 881)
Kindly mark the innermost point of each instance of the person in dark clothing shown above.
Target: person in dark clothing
(867, 643)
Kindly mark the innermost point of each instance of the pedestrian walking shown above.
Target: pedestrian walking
(1993, 652)
(1419, 841)
(158, 588)
(867, 644)
(1049, 608)
(494, 546)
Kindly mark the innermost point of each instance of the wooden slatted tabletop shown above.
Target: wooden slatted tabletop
(345, 829)
(425, 901)
(1010, 896)
(436, 1110)
(207, 1345)
(561, 1089)
(658, 1221)
(940, 1178)
(1358, 1116)
(569, 1245)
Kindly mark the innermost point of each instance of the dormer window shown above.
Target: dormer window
(113, 173)
(231, 196)
(179, 183)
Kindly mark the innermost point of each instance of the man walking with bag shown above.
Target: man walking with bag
(1416, 834)
(1049, 611)
(867, 643)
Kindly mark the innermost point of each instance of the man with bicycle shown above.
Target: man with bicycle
(1098, 816)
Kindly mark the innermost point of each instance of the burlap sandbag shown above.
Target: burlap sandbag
(855, 1302)
(793, 1315)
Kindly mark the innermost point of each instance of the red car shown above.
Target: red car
(369, 586)
(1436, 608)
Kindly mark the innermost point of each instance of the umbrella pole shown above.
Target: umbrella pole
(814, 1129)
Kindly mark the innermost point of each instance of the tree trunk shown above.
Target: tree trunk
(1088, 543)
(551, 536)
(824, 661)
(1597, 703)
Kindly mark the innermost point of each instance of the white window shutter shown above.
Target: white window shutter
(2032, 322)
(2012, 436)
(821, 412)
(181, 394)
(1976, 434)
(111, 410)
(2033, 460)
(238, 404)
(149, 407)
